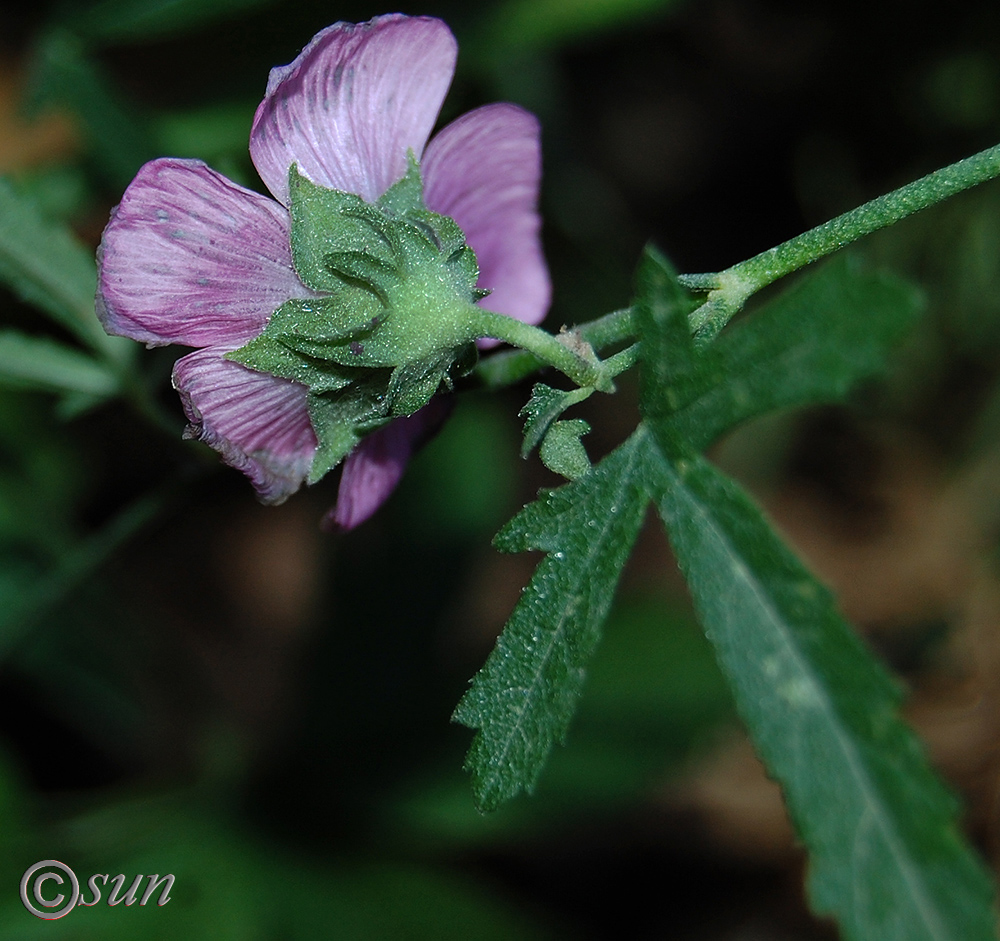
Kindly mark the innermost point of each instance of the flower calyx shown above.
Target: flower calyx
(393, 319)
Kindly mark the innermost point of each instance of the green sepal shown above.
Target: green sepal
(393, 321)
(406, 194)
(294, 343)
(413, 385)
(266, 355)
(341, 419)
(326, 222)
(465, 361)
(361, 270)
(562, 451)
(404, 201)
(400, 280)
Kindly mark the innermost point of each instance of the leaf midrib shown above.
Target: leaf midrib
(868, 790)
(625, 477)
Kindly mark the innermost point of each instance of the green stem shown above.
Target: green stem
(576, 364)
(512, 366)
(730, 289)
(626, 359)
(615, 327)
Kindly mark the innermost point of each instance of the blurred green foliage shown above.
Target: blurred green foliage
(292, 765)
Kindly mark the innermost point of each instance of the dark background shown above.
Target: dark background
(200, 685)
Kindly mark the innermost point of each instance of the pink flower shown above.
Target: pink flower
(190, 257)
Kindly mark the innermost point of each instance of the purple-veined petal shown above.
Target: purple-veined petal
(374, 468)
(191, 257)
(257, 422)
(352, 104)
(484, 170)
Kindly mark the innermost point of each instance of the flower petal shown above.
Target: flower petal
(376, 465)
(484, 170)
(352, 103)
(190, 257)
(257, 422)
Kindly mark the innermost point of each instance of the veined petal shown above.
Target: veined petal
(484, 170)
(257, 422)
(191, 257)
(374, 468)
(352, 104)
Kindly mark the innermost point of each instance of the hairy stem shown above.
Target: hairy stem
(511, 366)
(730, 289)
(566, 352)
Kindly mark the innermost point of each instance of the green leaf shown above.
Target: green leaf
(537, 24)
(43, 364)
(673, 373)
(215, 133)
(562, 451)
(46, 265)
(542, 409)
(886, 856)
(524, 697)
(812, 344)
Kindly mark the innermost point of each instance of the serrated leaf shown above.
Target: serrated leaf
(47, 266)
(523, 699)
(886, 857)
(811, 344)
(44, 364)
(562, 451)
(542, 409)
(673, 373)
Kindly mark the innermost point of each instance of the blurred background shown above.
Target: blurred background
(195, 684)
